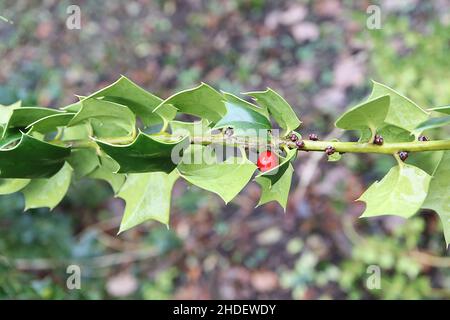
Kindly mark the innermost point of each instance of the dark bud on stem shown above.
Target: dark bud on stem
(330, 150)
(422, 138)
(313, 137)
(229, 132)
(300, 144)
(403, 155)
(293, 137)
(378, 140)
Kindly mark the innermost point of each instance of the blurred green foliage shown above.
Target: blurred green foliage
(171, 45)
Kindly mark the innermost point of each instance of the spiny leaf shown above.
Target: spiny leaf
(443, 109)
(226, 178)
(83, 161)
(438, 198)
(48, 192)
(8, 186)
(51, 122)
(145, 154)
(106, 172)
(245, 121)
(108, 119)
(401, 192)
(202, 101)
(432, 123)
(32, 158)
(367, 115)
(147, 196)
(402, 112)
(9, 136)
(24, 116)
(239, 101)
(140, 101)
(278, 191)
(5, 115)
(198, 128)
(278, 107)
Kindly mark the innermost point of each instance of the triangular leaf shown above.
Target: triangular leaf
(401, 192)
(51, 122)
(147, 196)
(83, 161)
(108, 119)
(239, 101)
(145, 154)
(402, 112)
(442, 109)
(202, 101)
(438, 198)
(8, 186)
(48, 192)
(226, 178)
(278, 107)
(197, 128)
(140, 101)
(245, 121)
(432, 123)
(278, 191)
(106, 172)
(32, 158)
(367, 115)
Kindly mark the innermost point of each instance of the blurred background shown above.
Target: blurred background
(320, 56)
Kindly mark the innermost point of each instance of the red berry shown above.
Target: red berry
(266, 161)
(313, 137)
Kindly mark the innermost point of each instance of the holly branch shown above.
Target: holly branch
(135, 141)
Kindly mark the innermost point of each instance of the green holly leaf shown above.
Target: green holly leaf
(83, 161)
(81, 131)
(145, 154)
(442, 109)
(32, 158)
(24, 116)
(5, 114)
(427, 161)
(278, 191)
(108, 119)
(226, 179)
(278, 107)
(48, 192)
(9, 136)
(140, 101)
(367, 115)
(432, 123)
(197, 128)
(106, 172)
(50, 123)
(202, 101)
(391, 133)
(243, 120)
(401, 192)
(8, 186)
(239, 101)
(402, 112)
(147, 196)
(438, 197)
